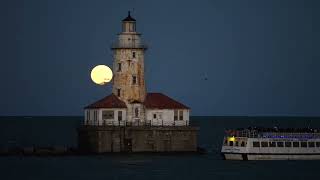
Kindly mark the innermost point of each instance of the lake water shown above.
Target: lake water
(51, 131)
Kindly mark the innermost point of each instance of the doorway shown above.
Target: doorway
(127, 145)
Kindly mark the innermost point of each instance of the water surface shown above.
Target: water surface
(50, 131)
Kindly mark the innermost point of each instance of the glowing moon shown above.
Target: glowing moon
(101, 74)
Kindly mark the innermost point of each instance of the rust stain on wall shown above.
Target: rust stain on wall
(123, 79)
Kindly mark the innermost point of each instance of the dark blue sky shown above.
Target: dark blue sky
(260, 57)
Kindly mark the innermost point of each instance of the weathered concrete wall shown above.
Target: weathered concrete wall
(100, 139)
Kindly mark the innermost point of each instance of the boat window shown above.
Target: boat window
(279, 144)
(242, 144)
(255, 144)
(318, 144)
(311, 144)
(237, 143)
(304, 144)
(295, 144)
(230, 143)
(272, 144)
(264, 144)
(288, 144)
(225, 142)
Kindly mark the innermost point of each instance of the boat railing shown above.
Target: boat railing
(249, 133)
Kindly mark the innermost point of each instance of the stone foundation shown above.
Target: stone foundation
(102, 139)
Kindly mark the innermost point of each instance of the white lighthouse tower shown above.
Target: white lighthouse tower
(128, 67)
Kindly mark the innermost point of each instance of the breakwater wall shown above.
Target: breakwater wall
(102, 139)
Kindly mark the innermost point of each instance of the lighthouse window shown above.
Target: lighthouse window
(295, 144)
(175, 115)
(119, 92)
(303, 144)
(288, 144)
(133, 54)
(318, 144)
(311, 144)
(181, 115)
(256, 144)
(134, 79)
(119, 67)
(107, 115)
(279, 144)
(272, 144)
(130, 27)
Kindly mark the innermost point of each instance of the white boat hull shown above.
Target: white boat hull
(249, 149)
(236, 156)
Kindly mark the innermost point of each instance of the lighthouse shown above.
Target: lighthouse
(130, 119)
(128, 68)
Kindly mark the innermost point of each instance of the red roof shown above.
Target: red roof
(111, 101)
(161, 101)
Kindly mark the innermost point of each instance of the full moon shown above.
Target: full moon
(101, 74)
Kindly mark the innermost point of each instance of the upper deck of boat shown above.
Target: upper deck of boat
(258, 132)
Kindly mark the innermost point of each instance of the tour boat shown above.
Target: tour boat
(271, 144)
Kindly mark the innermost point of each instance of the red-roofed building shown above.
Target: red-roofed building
(163, 110)
(107, 111)
(157, 108)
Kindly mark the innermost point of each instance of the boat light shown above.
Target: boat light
(233, 139)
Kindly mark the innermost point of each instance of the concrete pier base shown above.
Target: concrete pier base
(102, 139)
